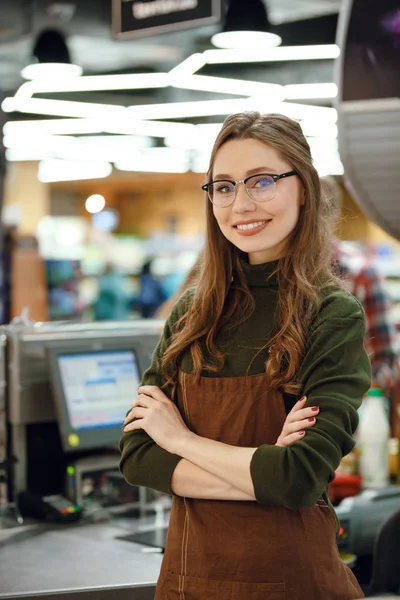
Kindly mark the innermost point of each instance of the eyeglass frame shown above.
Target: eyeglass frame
(275, 177)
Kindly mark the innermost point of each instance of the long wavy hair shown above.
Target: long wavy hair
(222, 297)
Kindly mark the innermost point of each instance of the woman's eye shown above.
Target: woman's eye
(224, 189)
(263, 182)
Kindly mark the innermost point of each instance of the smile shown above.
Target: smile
(251, 225)
(251, 228)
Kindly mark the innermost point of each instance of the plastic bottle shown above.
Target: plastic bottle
(373, 440)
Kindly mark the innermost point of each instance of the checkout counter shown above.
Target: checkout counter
(64, 506)
(71, 528)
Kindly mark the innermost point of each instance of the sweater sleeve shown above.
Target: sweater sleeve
(143, 462)
(335, 374)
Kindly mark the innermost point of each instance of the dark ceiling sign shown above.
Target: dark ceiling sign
(140, 18)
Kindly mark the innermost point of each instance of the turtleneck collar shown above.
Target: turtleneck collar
(257, 275)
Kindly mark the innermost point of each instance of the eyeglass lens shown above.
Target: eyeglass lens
(260, 187)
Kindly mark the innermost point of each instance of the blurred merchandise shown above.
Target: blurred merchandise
(350, 464)
(151, 294)
(113, 300)
(393, 457)
(63, 278)
(344, 486)
(373, 440)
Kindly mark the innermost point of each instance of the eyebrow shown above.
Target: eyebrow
(255, 171)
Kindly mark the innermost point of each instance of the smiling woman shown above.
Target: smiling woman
(216, 420)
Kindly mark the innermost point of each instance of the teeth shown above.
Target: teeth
(251, 225)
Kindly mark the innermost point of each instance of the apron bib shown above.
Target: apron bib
(227, 550)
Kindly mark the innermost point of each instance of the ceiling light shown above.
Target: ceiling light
(95, 203)
(61, 108)
(51, 58)
(117, 125)
(294, 110)
(28, 154)
(54, 170)
(157, 160)
(310, 91)
(183, 110)
(51, 72)
(246, 26)
(95, 83)
(223, 85)
(284, 53)
(190, 65)
(53, 127)
(108, 148)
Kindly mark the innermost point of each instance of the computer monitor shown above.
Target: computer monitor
(92, 393)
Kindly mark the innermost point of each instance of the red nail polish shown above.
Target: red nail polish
(301, 432)
(311, 419)
(315, 408)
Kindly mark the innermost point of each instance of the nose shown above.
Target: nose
(243, 203)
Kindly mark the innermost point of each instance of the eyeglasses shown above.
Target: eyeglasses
(260, 188)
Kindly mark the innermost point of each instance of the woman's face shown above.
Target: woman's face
(275, 219)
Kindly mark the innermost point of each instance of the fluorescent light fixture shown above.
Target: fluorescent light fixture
(223, 85)
(61, 108)
(246, 39)
(51, 71)
(189, 66)
(283, 53)
(157, 160)
(294, 110)
(175, 110)
(203, 139)
(29, 154)
(108, 148)
(152, 128)
(45, 142)
(319, 128)
(54, 170)
(95, 203)
(96, 83)
(121, 126)
(53, 127)
(310, 91)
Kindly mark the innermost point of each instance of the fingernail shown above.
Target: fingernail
(315, 408)
(301, 432)
(311, 419)
(303, 398)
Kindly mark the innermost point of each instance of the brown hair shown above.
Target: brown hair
(302, 272)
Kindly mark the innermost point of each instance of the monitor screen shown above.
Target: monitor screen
(98, 387)
(93, 391)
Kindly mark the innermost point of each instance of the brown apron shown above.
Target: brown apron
(231, 550)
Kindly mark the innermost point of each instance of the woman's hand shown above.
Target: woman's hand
(298, 420)
(153, 412)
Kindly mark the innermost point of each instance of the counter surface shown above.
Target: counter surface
(75, 557)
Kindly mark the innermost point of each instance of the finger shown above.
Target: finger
(293, 437)
(136, 413)
(299, 404)
(154, 392)
(298, 425)
(137, 424)
(305, 413)
(143, 400)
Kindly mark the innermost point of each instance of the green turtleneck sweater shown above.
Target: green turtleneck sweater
(335, 374)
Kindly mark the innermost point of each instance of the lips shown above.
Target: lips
(251, 227)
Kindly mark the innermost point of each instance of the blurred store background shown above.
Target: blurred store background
(105, 152)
